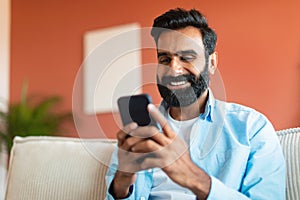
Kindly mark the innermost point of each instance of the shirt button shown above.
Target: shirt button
(142, 198)
(149, 170)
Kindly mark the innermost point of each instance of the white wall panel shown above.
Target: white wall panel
(112, 66)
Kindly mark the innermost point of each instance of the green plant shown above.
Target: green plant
(31, 118)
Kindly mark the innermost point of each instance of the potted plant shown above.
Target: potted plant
(31, 118)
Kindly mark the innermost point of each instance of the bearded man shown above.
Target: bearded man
(205, 148)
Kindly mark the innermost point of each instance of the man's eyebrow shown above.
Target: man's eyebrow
(162, 54)
(183, 52)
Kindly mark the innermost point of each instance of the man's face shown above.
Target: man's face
(182, 74)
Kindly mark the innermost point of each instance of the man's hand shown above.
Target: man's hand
(129, 162)
(169, 152)
(125, 176)
(147, 148)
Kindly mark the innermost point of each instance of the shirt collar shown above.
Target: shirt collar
(208, 112)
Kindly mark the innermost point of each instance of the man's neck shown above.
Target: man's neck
(191, 111)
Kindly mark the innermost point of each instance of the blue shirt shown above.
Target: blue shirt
(236, 146)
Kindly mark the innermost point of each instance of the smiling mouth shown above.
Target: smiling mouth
(178, 83)
(173, 85)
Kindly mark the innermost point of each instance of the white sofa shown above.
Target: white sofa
(59, 168)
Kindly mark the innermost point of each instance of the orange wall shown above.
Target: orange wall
(258, 45)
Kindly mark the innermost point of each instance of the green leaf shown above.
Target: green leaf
(31, 118)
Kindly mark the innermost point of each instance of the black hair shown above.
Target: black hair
(179, 18)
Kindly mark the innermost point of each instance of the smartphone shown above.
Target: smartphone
(134, 109)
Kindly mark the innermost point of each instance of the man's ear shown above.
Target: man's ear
(213, 62)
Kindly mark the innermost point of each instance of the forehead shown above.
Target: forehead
(189, 38)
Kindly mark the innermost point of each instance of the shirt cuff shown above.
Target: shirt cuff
(219, 190)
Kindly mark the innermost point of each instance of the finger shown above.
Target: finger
(124, 133)
(121, 135)
(146, 146)
(156, 114)
(151, 132)
(144, 131)
(129, 127)
(130, 142)
(161, 139)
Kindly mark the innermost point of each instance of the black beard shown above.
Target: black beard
(186, 96)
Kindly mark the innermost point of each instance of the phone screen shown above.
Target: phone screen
(134, 109)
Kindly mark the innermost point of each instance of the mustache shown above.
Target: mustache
(185, 77)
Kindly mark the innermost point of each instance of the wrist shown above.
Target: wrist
(200, 187)
(122, 184)
(118, 193)
(199, 182)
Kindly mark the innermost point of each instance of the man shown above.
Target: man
(206, 148)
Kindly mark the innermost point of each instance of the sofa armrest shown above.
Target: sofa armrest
(290, 143)
(58, 168)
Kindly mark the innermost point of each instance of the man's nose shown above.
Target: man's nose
(176, 65)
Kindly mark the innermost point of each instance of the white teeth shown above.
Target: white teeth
(178, 83)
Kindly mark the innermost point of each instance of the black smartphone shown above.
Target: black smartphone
(134, 109)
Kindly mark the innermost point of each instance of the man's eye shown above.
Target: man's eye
(187, 58)
(164, 60)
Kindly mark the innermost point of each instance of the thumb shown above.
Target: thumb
(158, 117)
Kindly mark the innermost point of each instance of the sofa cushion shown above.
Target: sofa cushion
(58, 168)
(290, 143)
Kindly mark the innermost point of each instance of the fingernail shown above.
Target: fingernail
(133, 125)
(151, 106)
